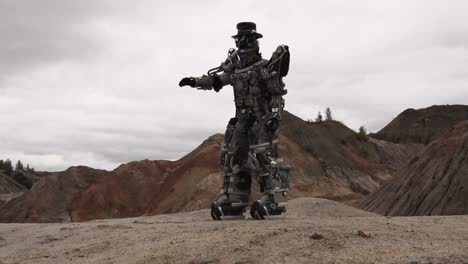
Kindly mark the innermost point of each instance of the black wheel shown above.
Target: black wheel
(257, 211)
(215, 213)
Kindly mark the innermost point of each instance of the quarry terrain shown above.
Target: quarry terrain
(433, 182)
(396, 196)
(328, 160)
(314, 231)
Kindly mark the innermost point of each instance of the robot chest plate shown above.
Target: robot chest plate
(245, 83)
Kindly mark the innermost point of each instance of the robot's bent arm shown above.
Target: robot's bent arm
(276, 68)
(279, 61)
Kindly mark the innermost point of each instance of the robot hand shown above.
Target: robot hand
(190, 81)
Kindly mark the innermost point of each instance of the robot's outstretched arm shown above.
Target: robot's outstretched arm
(212, 81)
(217, 77)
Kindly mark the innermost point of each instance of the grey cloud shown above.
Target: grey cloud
(40, 32)
(95, 82)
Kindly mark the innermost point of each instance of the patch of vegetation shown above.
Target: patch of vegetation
(362, 134)
(319, 118)
(328, 114)
(6, 167)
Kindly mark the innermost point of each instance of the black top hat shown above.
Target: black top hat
(246, 28)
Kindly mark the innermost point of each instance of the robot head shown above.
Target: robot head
(246, 42)
(247, 36)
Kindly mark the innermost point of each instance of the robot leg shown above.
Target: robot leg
(273, 172)
(234, 197)
(274, 186)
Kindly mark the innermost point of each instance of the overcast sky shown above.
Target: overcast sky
(95, 82)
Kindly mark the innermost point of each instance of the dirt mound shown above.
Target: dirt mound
(132, 189)
(8, 185)
(303, 207)
(327, 159)
(435, 182)
(153, 187)
(394, 156)
(330, 161)
(422, 125)
(315, 207)
(9, 189)
(49, 199)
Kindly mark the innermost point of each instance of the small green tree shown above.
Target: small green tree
(362, 134)
(319, 117)
(328, 114)
(19, 166)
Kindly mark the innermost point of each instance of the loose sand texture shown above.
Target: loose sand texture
(314, 231)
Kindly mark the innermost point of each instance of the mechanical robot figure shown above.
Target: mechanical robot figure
(251, 139)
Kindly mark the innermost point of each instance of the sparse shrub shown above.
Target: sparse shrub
(362, 134)
(328, 114)
(24, 178)
(319, 117)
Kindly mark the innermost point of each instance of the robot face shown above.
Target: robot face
(246, 41)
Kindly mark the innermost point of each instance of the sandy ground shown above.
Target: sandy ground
(314, 231)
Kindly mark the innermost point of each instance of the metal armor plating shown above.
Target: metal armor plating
(250, 146)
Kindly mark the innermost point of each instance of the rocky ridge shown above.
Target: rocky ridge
(422, 125)
(434, 182)
(327, 158)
